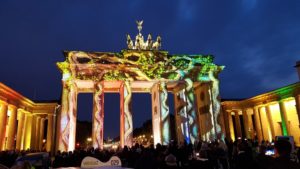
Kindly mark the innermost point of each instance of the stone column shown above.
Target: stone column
(250, 123)
(33, 142)
(216, 102)
(50, 128)
(270, 120)
(246, 124)
(67, 118)
(27, 133)
(181, 119)
(257, 124)
(160, 114)
(191, 112)
(284, 119)
(98, 116)
(238, 123)
(297, 100)
(226, 120)
(41, 134)
(165, 116)
(3, 117)
(126, 124)
(12, 123)
(231, 127)
(21, 119)
(37, 133)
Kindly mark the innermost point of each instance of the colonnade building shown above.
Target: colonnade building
(25, 124)
(265, 116)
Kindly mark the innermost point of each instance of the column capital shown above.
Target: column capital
(12, 106)
(21, 110)
(3, 102)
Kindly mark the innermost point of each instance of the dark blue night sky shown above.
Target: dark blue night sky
(257, 41)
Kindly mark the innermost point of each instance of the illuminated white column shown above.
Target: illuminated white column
(3, 117)
(216, 103)
(165, 116)
(191, 112)
(50, 128)
(206, 118)
(156, 119)
(181, 118)
(258, 128)
(270, 120)
(21, 120)
(160, 114)
(41, 134)
(98, 116)
(126, 124)
(297, 100)
(12, 123)
(67, 118)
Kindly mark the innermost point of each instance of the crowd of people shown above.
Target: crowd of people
(240, 154)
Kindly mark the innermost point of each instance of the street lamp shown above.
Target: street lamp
(89, 140)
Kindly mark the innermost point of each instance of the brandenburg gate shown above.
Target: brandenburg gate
(142, 68)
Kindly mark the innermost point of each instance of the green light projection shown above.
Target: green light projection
(136, 65)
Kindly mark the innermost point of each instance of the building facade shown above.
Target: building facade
(265, 116)
(25, 124)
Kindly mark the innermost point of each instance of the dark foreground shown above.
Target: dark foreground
(241, 154)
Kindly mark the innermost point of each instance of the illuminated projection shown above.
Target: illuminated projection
(142, 68)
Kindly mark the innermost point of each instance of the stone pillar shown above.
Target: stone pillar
(237, 124)
(37, 133)
(160, 114)
(12, 123)
(27, 133)
(258, 128)
(246, 123)
(33, 142)
(191, 112)
(126, 124)
(231, 127)
(3, 119)
(50, 128)
(41, 134)
(21, 119)
(67, 118)
(165, 116)
(270, 120)
(226, 120)
(98, 116)
(297, 100)
(284, 119)
(181, 119)
(250, 123)
(216, 102)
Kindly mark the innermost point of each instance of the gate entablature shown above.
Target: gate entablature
(135, 65)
